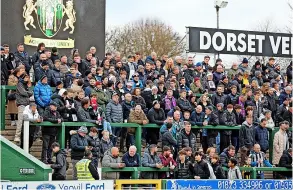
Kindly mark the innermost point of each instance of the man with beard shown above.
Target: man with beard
(167, 161)
(112, 160)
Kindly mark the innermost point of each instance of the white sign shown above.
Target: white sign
(58, 185)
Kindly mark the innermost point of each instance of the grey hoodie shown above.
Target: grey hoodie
(246, 135)
(234, 173)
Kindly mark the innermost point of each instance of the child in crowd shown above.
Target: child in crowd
(234, 171)
(246, 174)
(106, 144)
(217, 168)
(184, 167)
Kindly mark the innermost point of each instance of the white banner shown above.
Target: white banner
(58, 185)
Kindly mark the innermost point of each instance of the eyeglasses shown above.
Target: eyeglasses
(135, 76)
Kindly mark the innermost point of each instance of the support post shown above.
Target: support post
(3, 103)
(218, 23)
(26, 126)
(271, 144)
(253, 173)
(138, 139)
(61, 135)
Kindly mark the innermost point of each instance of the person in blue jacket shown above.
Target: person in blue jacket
(42, 94)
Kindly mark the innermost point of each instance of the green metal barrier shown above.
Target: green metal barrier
(18, 165)
(135, 171)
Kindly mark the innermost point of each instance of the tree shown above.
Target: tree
(144, 36)
(267, 26)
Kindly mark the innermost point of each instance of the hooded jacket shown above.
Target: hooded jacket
(229, 120)
(184, 170)
(246, 135)
(22, 93)
(114, 113)
(234, 173)
(169, 140)
(149, 160)
(42, 94)
(60, 164)
(112, 162)
(218, 171)
(28, 115)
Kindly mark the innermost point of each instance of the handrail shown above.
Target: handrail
(138, 127)
(135, 170)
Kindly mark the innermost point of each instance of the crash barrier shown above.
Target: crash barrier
(18, 165)
(138, 132)
(62, 185)
(228, 184)
(4, 92)
(135, 170)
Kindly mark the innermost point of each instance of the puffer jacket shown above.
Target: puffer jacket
(114, 113)
(22, 93)
(218, 171)
(216, 98)
(286, 161)
(184, 170)
(57, 75)
(149, 160)
(42, 94)
(261, 138)
(246, 135)
(229, 120)
(28, 115)
(225, 157)
(186, 140)
(156, 116)
(61, 164)
(271, 103)
(201, 169)
(105, 145)
(283, 97)
(198, 118)
(95, 143)
(232, 99)
(78, 144)
(184, 104)
(112, 162)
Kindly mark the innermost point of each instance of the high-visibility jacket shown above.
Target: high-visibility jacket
(82, 168)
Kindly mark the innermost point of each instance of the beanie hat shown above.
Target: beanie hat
(210, 108)
(245, 60)
(52, 103)
(44, 76)
(82, 129)
(198, 64)
(44, 62)
(59, 82)
(61, 91)
(196, 79)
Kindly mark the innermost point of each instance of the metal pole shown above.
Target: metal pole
(26, 126)
(218, 20)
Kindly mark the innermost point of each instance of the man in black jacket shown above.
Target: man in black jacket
(229, 120)
(61, 164)
(184, 167)
(270, 102)
(211, 119)
(49, 133)
(156, 115)
(286, 161)
(79, 145)
(201, 168)
(22, 57)
(281, 110)
(186, 137)
(217, 167)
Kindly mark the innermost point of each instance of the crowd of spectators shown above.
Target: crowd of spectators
(173, 93)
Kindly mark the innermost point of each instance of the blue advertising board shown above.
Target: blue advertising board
(228, 184)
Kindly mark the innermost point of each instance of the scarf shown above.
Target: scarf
(170, 103)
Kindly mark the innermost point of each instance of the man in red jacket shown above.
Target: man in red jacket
(167, 161)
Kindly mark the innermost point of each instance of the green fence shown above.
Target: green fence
(18, 165)
(138, 132)
(135, 171)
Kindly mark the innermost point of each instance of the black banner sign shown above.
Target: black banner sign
(239, 42)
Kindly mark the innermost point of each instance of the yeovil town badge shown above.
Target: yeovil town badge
(49, 15)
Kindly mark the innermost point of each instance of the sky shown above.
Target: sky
(238, 15)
